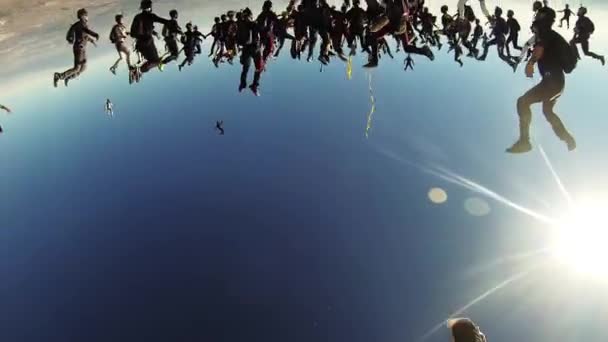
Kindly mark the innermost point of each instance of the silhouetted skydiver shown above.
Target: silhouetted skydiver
(547, 54)
(219, 126)
(567, 13)
(229, 31)
(544, 18)
(215, 33)
(248, 36)
(109, 107)
(170, 33)
(499, 31)
(266, 22)
(280, 31)
(142, 30)
(199, 40)
(356, 27)
(300, 27)
(338, 31)
(118, 37)
(409, 63)
(514, 29)
(464, 330)
(323, 21)
(8, 111)
(78, 35)
(189, 39)
(583, 30)
(223, 32)
(477, 34)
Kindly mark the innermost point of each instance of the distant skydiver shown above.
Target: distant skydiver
(409, 62)
(567, 13)
(109, 107)
(78, 35)
(219, 126)
(8, 111)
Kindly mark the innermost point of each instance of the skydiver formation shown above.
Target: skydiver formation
(258, 39)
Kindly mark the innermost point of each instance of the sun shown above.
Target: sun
(582, 238)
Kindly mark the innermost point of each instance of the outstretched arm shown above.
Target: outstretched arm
(5, 108)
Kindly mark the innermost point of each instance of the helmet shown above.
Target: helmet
(498, 11)
(145, 4)
(118, 17)
(582, 10)
(537, 5)
(231, 14)
(81, 13)
(173, 14)
(267, 5)
(510, 13)
(189, 25)
(247, 12)
(444, 9)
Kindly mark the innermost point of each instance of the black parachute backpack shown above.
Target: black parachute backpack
(568, 55)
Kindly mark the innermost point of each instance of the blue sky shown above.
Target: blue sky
(292, 226)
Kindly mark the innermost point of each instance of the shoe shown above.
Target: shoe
(161, 67)
(323, 60)
(130, 77)
(113, 70)
(603, 60)
(180, 67)
(242, 86)
(65, 81)
(254, 90)
(428, 53)
(371, 64)
(521, 146)
(56, 78)
(571, 143)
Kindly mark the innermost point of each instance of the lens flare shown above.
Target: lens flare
(582, 238)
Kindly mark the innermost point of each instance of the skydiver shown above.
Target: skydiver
(248, 37)
(199, 40)
(215, 33)
(109, 107)
(583, 30)
(299, 30)
(189, 39)
(219, 126)
(118, 37)
(567, 13)
(266, 22)
(549, 57)
(338, 31)
(514, 29)
(356, 28)
(464, 330)
(499, 31)
(7, 110)
(170, 33)
(477, 34)
(409, 63)
(78, 35)
(281, 33)
(142, 30)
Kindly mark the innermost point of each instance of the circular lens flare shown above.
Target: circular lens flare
(582, 240)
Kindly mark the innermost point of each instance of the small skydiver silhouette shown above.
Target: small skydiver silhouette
(109, 107)
(219, 126)
(409, 62)
(8, 111)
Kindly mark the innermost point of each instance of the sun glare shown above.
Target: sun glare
(582, 239)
